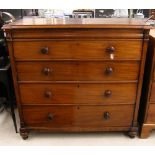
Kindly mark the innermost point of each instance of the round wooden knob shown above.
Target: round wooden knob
(110, 49)
(47, 71)
(48, 94)
(109, 70)
(50, 116)
(106, 115)
(44, 50)
(107, 93)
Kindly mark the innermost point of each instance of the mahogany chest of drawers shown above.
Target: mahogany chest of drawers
(147, 109)
(77, 75)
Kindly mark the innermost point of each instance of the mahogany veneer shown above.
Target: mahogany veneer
(78, 118)
(78, 93)
(78, 70)
(71, 49)
(74, 75)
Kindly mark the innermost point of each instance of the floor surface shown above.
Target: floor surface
(9, 137)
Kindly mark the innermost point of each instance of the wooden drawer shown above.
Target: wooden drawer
(76, 33)
(78, 116)
(72, 93)
(128, 49)
(82, 71)
(151, 114)
(152, 94)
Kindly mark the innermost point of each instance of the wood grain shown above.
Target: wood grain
(78, 71)
(77, 116)
(78, 49)
(151, 114)
(119, 23)
(152, 96)
(76, 34)
(78, 93)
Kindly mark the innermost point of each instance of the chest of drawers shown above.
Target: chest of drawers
(77, 75)
(147, 109)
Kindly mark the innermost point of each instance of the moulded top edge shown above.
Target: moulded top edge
(36, 22)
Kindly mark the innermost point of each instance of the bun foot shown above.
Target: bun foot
(132, 133)
(24, 137)
(24, 134)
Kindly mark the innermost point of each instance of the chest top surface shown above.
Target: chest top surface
(36, 22)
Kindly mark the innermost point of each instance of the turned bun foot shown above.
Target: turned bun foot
(132, 133)
(24, 134)
(24, 137)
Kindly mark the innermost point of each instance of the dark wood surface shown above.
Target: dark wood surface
(72, 49)
(74, 34)
(87, 73)
(78, 70)
(78, 93)
(151, 114)
(152, 96)
(78, 116)
(147, 110)
(36, 22)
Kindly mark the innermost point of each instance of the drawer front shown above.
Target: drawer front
(78, 93)
(82, 71)
(152, 96)
(77, 33)
(151, 114)
(78, 116)
(129, 49)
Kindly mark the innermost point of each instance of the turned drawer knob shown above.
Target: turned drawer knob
(47, 71)
(44, 50)
(48, 94)
(107, 93)
(106, 115)
(50, 116)
(109, 70)
(110, 49)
